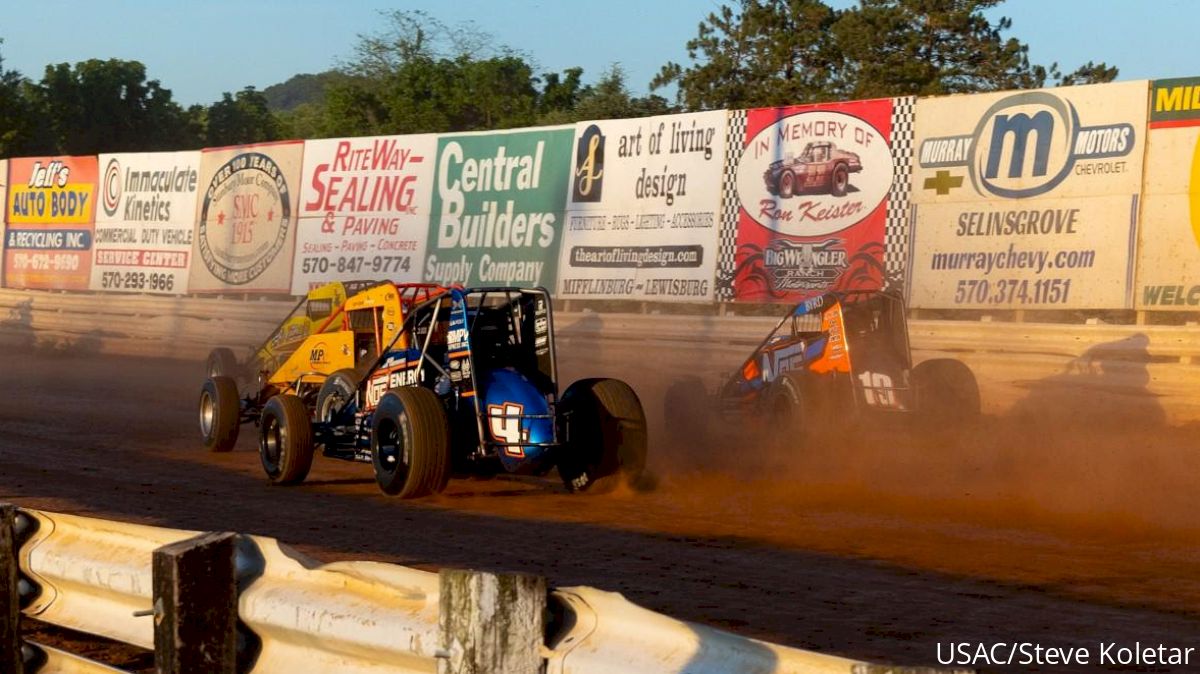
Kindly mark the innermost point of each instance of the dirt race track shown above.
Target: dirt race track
(1069, 518)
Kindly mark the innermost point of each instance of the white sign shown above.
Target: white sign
(364, 209)
(1028, 199)
(642, 214)
(144, 222)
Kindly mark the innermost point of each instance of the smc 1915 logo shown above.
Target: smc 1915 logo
(1025, 145)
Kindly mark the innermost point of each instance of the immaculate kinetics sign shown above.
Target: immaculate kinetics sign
(144, 226)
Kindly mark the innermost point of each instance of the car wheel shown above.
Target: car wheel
(947, 395)
(839, 181)
(788, 411)
(222, 363)
(787, 184)
(410, 443)
(285, 444)
(220, 413)
(604, 433)
(336, 391)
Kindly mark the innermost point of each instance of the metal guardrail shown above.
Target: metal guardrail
(224, 603)
(1140, 359)
(187, 327)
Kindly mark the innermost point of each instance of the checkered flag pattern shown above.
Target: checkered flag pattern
(896, 228)
(727, 234)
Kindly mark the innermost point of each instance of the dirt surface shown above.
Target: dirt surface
(1068, 519)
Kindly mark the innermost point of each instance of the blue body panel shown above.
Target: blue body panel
(507, 401)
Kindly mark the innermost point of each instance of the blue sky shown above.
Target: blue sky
(200, 49)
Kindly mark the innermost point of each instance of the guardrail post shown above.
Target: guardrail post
(195, 606)
(10, 601)
(490, 622)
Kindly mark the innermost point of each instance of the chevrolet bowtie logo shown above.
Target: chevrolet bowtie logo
(943, 182)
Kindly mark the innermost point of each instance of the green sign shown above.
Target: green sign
(1175, 100)
(498, 208)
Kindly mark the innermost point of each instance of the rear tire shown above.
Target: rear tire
(410, 443)
(336, 391)
(839, 181)
(947, 395)
(286, 440)
(222, 363)
(605, 435)
(220, 413)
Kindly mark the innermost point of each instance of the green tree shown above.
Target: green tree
(420, 75)
(18, 118)
(766, 52)
(771, 52)
(609, 98)
(109, 106)
(241, 118)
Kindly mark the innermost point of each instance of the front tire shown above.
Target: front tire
(220, 413)
(789, 409)
(605, 435)
(787, 184)
(410, 443)
(286, 441)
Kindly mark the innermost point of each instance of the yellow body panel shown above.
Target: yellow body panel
(392, 317)
(297, 328)
(318, 356)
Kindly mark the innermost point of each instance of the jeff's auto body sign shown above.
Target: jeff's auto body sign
(1028, 199)
(643, 208)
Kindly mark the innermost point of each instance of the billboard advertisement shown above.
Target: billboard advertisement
(144, 222)
(364, 209)
(1028, 200)
(812, 189)
(1168, 267)
(498, 207)
(245, 230)
(50, 211)
(643, 209)
(3, 200)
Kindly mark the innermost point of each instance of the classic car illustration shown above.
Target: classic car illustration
(822, 167)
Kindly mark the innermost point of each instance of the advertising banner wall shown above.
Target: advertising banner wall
(643, 209)
(812, 187)
(1168, 267)
(3, 200)
(499, 207)
(50, 213)
(145, 222)
(1028, 199)
(364, 209)
(246, 218)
